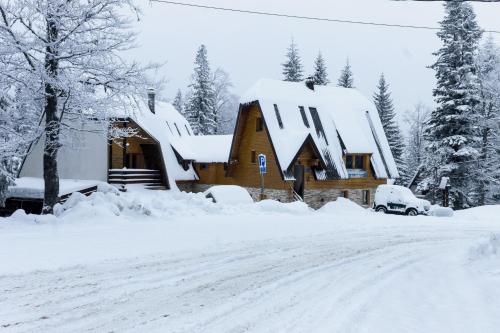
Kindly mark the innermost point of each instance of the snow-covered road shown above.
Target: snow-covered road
(399, 275)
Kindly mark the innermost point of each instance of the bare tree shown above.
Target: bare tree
(226, 103)
(416, 121)
(63, 56)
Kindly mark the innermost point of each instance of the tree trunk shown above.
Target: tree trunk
(52, 121)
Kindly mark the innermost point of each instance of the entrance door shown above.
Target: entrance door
(298, 186)
(151, 156)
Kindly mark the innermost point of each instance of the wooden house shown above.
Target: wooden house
(321, 143)
(149, 157)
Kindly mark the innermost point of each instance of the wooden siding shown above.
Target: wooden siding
(245, 173)
(133, 147)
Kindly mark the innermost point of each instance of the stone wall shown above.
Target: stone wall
(315, 198)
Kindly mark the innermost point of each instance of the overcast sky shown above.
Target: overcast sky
(250, 47)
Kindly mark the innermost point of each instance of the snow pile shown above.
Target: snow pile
(229, 194)
(342, 205)
(272, 206)
(490, 212)
(441, 211)
(488, 248)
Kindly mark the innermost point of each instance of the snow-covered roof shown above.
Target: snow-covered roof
(169, 128)
(33, 188)
(333, 116)
(211, 148)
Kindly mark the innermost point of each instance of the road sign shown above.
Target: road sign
(262, 163)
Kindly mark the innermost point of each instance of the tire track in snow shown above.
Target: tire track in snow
(263, 281)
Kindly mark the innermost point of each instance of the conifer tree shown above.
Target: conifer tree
(178, 102)
(383, 102)
(292, 67)
(346, 79)
(200, 109)
(320, 76)
(452, 133)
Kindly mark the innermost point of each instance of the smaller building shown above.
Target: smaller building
(150, 157)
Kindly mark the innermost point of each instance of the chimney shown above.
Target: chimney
(310, 83)
(151, 99)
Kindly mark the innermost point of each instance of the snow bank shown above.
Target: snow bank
(341, 205)
(491, 212)
(441, 211)
(488, 248)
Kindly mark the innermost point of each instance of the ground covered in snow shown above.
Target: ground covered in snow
(173, 262)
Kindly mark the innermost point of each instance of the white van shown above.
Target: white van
(399, 200)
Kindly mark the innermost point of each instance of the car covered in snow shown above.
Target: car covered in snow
(399, 200)
(228, 194)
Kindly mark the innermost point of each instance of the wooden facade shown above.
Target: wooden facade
(252, 138)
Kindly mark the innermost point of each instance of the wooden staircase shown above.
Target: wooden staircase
(150, 179)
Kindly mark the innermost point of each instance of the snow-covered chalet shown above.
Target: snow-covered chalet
(321, 143)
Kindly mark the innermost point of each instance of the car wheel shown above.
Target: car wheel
(412, 212)
(381, 209)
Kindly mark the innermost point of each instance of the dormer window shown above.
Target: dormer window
(169, 128)
(278, 116)
(177, 128)
(304, 116)
(355, 165)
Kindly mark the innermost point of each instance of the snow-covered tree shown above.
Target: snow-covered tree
(383, 102)
(346, 79)
(226, 103)
(200, 109)
(488, 114)
(62, 57)
(320, 76)
(292, 68)
(178, 102)
(452, 131)
(416, 121)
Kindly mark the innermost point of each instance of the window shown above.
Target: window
(177, 129)
(259, 125)
(359, 162)
(253, 157)
(304, 117)
(355, 162)
(317, 123)
(349, 162)
(278, 116)
(187, 129)
(366, 197)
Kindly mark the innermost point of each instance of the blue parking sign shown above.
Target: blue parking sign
(262, 163)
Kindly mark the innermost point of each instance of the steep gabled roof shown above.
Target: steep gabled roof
(331, 115)
(156, 126)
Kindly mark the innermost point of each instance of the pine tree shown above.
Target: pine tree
(488, 112)
(178, 102)
(383, 102)
(200, 109)
(320, 76)
(292, 68)
(346, 79)
(451, 133)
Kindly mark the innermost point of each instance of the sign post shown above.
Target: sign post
(262, 171)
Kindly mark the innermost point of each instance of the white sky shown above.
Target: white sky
(250, 47)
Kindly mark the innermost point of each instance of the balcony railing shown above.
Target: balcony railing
(357, 173)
